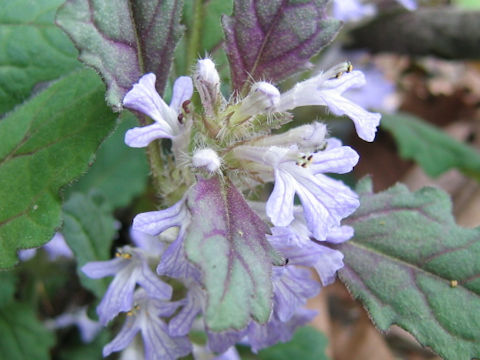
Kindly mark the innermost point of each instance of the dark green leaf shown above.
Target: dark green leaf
(307, 344)
(8, 280)
(46, 143)
(411, 265)
(227, 242)
(124, 39)
(271, 40)
(435, 151)
(91, 351)
(23, 336)
(119, 172)
(33, 49)
(89, 229)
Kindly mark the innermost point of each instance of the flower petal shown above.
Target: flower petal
(182, 91)
(338, 235)
(119, 296)
(139, 137)
(182, 322)
(143, 97)
(338, 160)
(155, 222)
(152, 284)
(100, 269)
(123, 338)
(280, 203)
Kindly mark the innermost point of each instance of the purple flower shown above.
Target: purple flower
(325, 201)
(145, 317)
(144, 98)
(87, 327)
(55, 248)
(297, 243)
(262, 336)
(327, 89)
(193, 305)
(292, 286)
(352, 10)
(129, 268)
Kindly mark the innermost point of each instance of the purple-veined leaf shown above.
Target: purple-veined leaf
(226, 240)
(411, 265)
(272, 39)
(124, 39)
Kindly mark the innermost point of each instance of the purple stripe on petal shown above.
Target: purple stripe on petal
(338, 160)
(155, 222)
(152, 284)
(280, 203)
(123, 338)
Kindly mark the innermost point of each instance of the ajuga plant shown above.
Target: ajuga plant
(247, 218)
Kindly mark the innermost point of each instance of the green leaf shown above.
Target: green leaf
(119, 172)
(89, 229)
(8, 280)
(23, 336)
(90, 351)
(435, 151)
(307, 344)
(411, 265)
(227, 242)
(33, 49)
(124, 39)
(46, 143)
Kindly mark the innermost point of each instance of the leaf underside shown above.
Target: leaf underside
(411, 265)
(51, 140)
(226, 240)
(124, 39)
(273, 39)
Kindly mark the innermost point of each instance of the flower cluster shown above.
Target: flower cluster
(232, 139)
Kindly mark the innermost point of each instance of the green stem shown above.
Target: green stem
(156, 165)
(194, 41)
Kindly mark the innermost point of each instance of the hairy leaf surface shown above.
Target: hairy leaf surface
(434, 150)
(33, 49)
(124, 39)
(23, 336)
(272, 39)
(46, 143)
(226, 240)
(119, 171)
(89, 229)
(411, 265)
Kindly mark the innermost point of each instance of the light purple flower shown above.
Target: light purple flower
(408, 4)
(292, 286)
(55, 248)
(297, 244)
(192, 305)
(327, 89)
(146, 318)
(87, 327)
(129, 268)
(352, 10)
(151, 245)
(325, 201)
(262, 336)
(144, 98)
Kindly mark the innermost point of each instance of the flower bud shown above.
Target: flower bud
(206, 159)
(207, 82)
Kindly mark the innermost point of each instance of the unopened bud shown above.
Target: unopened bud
(207, 82)
(206, 159)
(262, 98)
(308, 137)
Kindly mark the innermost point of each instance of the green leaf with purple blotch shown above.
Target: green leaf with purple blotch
(124, 39)
(273, 39)
(226, 240)
(411, 265)
(46, 143)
